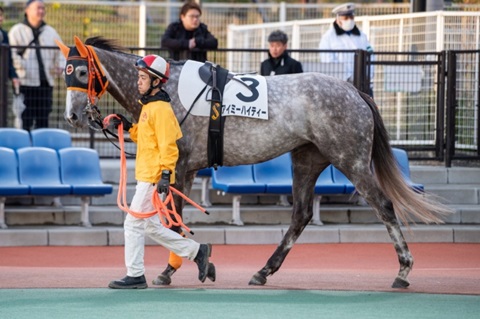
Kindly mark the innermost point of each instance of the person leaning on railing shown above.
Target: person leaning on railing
(279, 61)
(188, 38)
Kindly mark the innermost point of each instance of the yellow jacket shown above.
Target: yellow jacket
(156, 135)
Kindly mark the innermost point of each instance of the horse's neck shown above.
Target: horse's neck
(172, 89)
(122, 77)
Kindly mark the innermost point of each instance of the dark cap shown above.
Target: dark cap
(278, 36)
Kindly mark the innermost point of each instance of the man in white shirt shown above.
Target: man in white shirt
(344, 35)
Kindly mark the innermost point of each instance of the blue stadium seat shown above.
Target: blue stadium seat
(80, 168)
(40, 169)
(51, 137)
(205, 172)
(340, 178)
(236, 179)
(9, 184)
(14, 138)
(276, 174)
(327, 185)
(402, 159)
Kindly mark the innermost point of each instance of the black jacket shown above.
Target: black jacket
(176, 39)
(284, 64)
(11, 70)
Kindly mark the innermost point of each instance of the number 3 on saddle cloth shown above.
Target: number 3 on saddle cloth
(209, 90)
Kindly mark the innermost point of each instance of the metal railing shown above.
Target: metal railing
(408, 32)
(429, 103)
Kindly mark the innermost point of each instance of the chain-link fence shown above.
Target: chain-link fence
(142, 23)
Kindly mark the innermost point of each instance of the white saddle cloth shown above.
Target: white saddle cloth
(247, 99)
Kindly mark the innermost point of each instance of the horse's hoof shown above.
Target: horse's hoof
(258, 280)
(162, 280)
(165, 278)
(400, 283)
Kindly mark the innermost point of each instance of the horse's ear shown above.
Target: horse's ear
(82, 49)
(65, 50)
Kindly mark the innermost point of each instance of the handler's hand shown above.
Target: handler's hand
(164, 182)
(127, 125)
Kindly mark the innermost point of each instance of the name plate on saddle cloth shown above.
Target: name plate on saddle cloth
(247, 99)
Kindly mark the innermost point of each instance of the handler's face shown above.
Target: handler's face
(143, 82)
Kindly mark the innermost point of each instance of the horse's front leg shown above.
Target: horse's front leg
(305, 176)
(301, 216)
(183, 183)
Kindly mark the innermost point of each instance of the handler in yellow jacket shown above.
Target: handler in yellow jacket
(156, 135)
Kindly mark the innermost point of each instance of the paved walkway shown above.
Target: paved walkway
(439, 268)
(316, 281)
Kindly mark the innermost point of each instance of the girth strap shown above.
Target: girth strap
(215, 128)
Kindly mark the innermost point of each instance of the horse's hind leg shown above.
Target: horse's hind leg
(368, 188)
(307, 166)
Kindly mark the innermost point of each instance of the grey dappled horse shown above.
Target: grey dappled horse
(321, 120)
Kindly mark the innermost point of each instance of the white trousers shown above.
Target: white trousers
(136, 228)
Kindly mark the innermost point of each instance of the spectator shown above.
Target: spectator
(36, 67)
(156, 136)
(12, 75)
(279, 61)
(344, 35)
(188, 38)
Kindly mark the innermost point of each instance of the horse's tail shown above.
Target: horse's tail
(408, 204)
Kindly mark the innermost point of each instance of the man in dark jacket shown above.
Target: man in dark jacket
(279, 62)
(189, 38)
(12, 74)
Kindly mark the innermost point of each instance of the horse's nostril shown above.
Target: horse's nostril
(73, 117)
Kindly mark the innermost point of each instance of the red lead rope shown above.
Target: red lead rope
(168, 217)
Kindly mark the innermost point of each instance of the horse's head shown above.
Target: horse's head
(86, 82)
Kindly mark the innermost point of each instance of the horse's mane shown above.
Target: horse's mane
(112, 45)
(105, 44)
